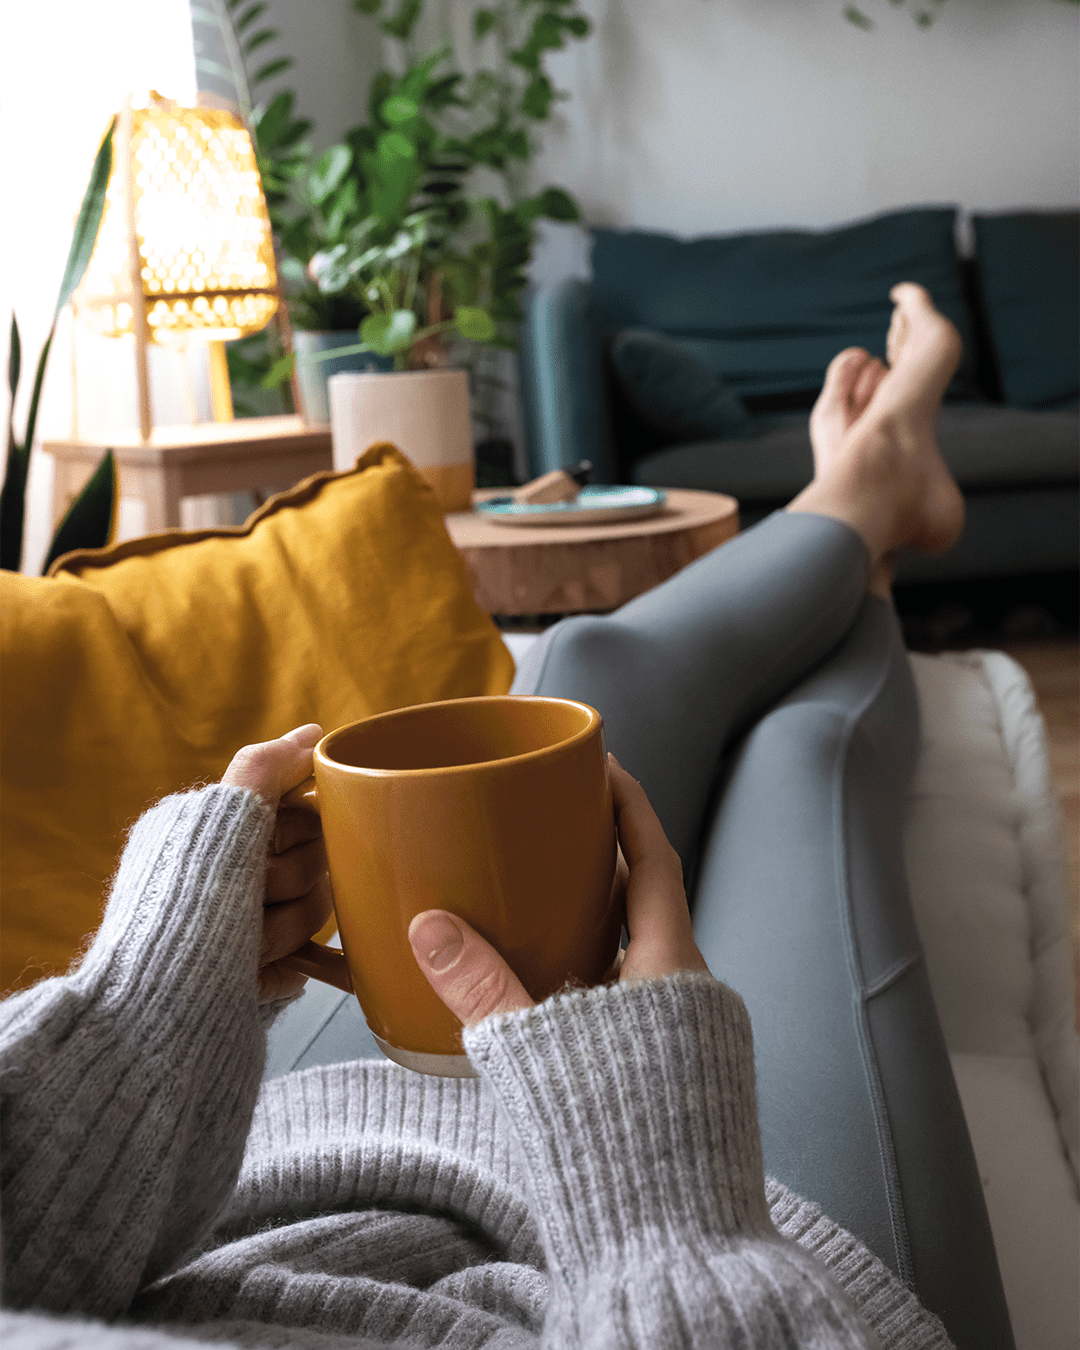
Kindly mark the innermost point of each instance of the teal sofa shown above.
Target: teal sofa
(694, 363)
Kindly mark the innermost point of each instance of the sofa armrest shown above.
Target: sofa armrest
(563, 384)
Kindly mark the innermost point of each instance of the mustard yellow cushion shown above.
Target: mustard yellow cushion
(137, 670)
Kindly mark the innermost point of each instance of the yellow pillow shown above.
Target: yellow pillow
(137, 670)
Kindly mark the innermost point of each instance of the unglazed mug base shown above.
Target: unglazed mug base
(443, 1066)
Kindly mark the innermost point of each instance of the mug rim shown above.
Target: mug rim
(595, 720)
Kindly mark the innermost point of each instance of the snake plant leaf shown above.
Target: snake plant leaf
(13, 493)
(14, 359)
(86, 227)
(90, 520)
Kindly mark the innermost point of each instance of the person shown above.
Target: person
(601, 1183)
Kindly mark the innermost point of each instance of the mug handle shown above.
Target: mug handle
(327, 964)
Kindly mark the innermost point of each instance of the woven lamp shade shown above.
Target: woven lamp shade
(205, 250)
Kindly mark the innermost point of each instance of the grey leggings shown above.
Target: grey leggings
(766, 705)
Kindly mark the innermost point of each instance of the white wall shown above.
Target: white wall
(700, 116)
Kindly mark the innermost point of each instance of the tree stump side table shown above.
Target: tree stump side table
(566, 569)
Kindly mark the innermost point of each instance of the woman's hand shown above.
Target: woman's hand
(297, 901)
(473, 980)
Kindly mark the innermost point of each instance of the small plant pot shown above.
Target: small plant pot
(425, 413)
(312, 376)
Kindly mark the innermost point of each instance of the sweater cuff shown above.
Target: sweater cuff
(180, 922)
(635, 1109)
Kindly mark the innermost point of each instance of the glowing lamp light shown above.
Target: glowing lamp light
(206, 257)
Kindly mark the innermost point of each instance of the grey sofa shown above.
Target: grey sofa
(695, 363)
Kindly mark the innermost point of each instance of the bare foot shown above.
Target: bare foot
(877, 463)
(850, 382)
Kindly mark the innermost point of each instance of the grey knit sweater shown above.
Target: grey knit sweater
(600, 1185)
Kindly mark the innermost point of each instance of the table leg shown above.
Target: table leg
(160, 490)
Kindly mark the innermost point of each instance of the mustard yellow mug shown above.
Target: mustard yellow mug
(498, 809)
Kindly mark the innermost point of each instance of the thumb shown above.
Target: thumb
(465, 970)
(273, 767)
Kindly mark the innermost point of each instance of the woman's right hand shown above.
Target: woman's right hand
(474, 981)
(657, 914)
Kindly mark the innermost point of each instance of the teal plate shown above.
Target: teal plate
(596, 505)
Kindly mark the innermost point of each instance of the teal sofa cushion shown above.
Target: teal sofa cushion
(1029, 269)
(768, 311)
(672, 391)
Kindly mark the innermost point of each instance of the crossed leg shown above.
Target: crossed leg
(791, 835)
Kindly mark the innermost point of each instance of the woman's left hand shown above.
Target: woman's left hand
(297, 900)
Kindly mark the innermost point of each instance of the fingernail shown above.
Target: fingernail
(437, 941)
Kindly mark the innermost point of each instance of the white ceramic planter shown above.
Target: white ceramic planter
(425, 413)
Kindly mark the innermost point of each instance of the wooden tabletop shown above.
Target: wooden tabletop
(251, 437)
(563, 569)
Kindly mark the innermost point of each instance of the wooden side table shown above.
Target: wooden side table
(566, 569)
(181, 462)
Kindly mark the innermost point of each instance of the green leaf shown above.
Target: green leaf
(279, 372)
(12, 503)
(517, 145)
(397, 109)
(271, 68)
(526, 57)
(367, 6)
(474, 323)
(394, 145)
(858, 18)
(269, 119)
(547, 33)
(537, 98)
(578, 25)
(483, 23)
(249, 16)
(330, 168)
(388, 334)
(260, 39)
(558, 205)
(14, 359)
(404, 21)
(88, 223)
(90, 518)
(441, 93)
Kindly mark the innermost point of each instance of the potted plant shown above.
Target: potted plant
(389, 253)
(91, 517)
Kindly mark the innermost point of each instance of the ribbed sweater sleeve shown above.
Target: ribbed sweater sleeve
(128, 1085)
(634, 1108)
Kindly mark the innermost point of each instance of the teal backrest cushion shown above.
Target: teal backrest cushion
(768, 311)
(1029, 269)
(679, 398)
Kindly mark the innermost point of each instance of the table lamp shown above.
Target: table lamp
(185, 252)
(185, 249)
